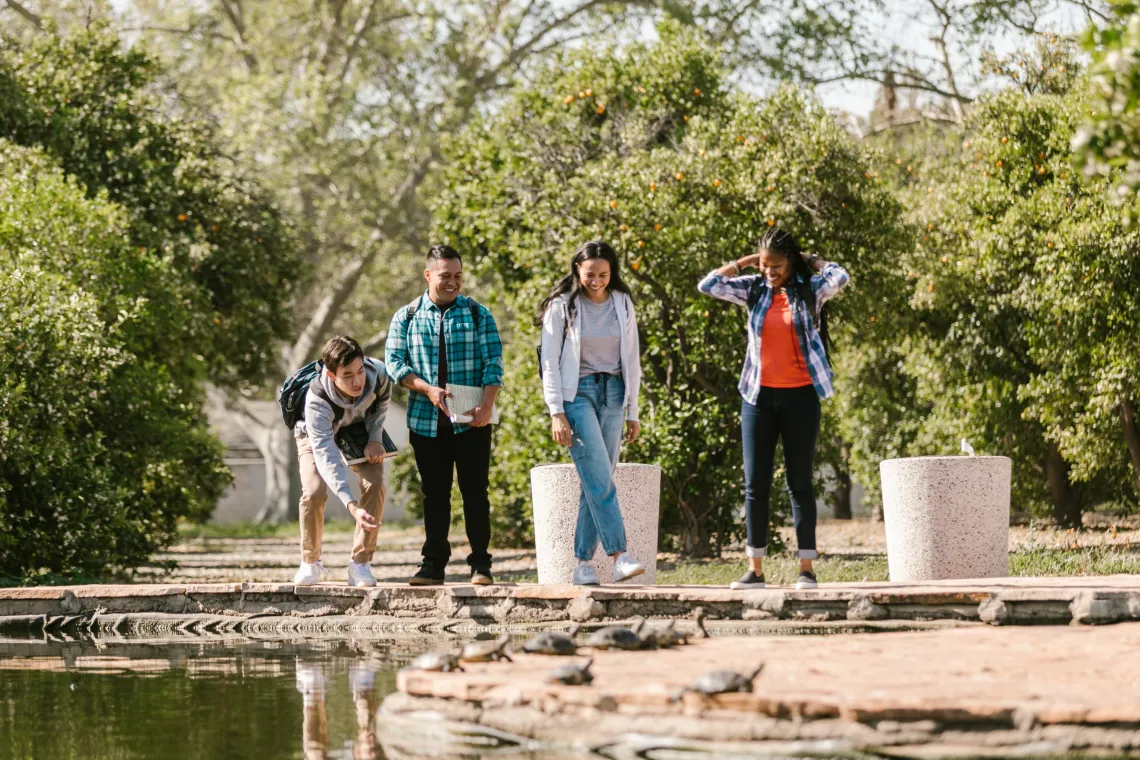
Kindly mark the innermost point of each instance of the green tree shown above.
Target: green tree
(161, 245)
(651, 150)
(1020, 284)
(102, 446)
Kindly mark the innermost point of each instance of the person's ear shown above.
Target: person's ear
(330, 373)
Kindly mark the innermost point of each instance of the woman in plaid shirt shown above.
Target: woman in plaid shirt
(786, 373)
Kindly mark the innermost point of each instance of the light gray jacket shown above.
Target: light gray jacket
(319, 426)
(561, 358)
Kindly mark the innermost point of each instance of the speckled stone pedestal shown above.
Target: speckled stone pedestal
(555, 490)
(946, 517)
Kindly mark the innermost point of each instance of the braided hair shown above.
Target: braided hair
(779, 241)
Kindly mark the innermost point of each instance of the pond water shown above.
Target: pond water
(174, 699)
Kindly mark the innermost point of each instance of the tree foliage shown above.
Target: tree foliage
(102, 446)
(137, 262)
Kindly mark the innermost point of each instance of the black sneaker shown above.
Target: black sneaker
(481, 576)
(748, 580)
(427, 575)
(807, 579)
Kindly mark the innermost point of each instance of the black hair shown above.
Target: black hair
(779, 241)
(441, 252)
(340, 351)
(572, 284)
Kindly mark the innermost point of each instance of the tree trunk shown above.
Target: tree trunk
(1066, 506)
(1131, 434)
(279, 452)
(841, 497)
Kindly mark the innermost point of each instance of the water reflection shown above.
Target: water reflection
(215, 698)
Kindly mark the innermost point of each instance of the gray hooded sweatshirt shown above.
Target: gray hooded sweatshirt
(318, 422)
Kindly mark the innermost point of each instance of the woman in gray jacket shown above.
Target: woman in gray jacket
(591, 375)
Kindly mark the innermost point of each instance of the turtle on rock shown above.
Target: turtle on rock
(440, 662)
(721, 682)
(574, 674)
(553, 642)
(668, 636)
(615, 637)
(486, 651)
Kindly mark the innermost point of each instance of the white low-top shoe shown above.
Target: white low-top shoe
(360, 574)
(584, 575)
(310, 574)
(626, 566)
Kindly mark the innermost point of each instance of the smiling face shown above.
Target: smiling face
(594, 277)
(444, 278)
(776, 268)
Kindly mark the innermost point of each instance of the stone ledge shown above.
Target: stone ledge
(1005, 601)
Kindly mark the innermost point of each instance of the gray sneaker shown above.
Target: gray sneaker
(807, 580)
(584, 575)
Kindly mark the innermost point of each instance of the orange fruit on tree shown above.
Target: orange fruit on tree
(716, 183)
(613, 204)
(569, 99)
(652, 187)
(640, 243)
(679, 176)
(657, 228)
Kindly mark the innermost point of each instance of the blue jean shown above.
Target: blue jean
(597, 418)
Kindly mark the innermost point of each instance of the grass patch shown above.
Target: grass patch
(1091, 560)
(255, 530)
(780, 570)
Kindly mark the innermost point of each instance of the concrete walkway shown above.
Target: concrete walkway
(958, 692)
(1005, 601)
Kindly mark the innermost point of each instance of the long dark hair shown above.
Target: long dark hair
(572, 284)
(782, 242)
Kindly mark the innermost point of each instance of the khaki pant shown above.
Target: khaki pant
(314, 493)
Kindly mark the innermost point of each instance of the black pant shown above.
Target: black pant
(791, 414)
(469, 453)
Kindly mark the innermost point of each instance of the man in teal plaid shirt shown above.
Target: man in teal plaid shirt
(471, 354)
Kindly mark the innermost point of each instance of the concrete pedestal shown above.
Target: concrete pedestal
(555, 489)
(946, 517)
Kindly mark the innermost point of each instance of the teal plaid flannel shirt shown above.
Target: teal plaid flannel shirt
(474, 354)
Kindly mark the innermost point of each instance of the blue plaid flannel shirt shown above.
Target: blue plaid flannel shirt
(474, 355)
(738, 290)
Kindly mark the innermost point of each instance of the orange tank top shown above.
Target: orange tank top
(781, 362)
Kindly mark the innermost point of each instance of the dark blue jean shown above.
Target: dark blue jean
(791, 415)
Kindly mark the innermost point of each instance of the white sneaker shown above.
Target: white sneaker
(584, 575)
(311, 682)
(360, 574)
(310, 574)
(626, 566)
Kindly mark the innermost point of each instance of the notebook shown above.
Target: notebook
(463, 399)
(351, 447)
